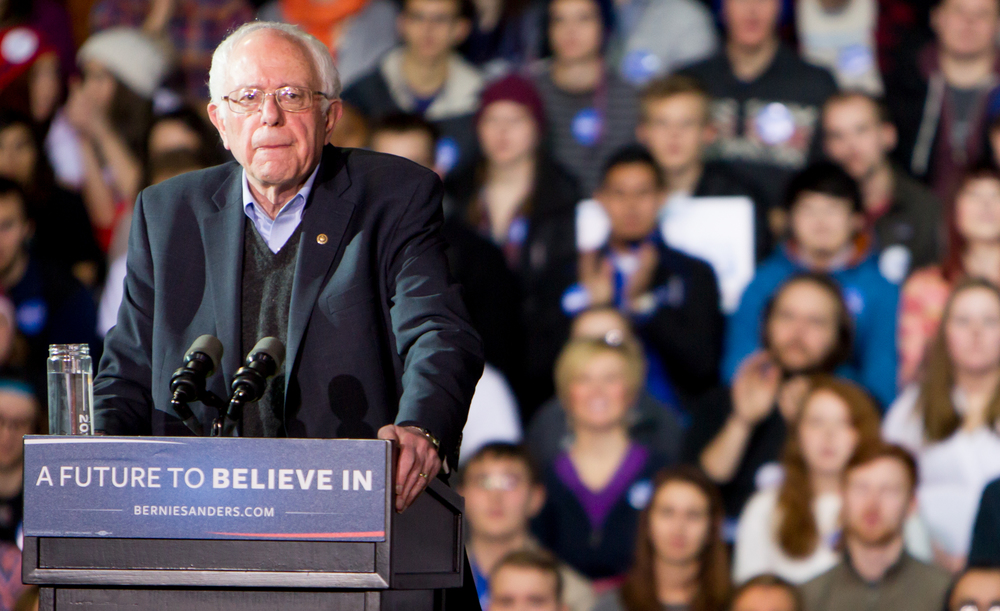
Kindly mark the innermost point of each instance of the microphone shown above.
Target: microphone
(250, 381)
(188, 382)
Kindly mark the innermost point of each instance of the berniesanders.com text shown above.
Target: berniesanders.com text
(210, 511)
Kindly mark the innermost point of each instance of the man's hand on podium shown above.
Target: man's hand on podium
(418, 464)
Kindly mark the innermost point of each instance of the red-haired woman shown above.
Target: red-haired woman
(951, 420)
(680, 559)
(973, 251)
(790, 530)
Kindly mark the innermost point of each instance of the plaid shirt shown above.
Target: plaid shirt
(197, 28)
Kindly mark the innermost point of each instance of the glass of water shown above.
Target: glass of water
(71, 390)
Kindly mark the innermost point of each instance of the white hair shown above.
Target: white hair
(322, 60)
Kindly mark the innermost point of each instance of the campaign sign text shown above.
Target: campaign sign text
(204, 488)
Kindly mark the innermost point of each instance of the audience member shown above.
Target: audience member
(50, 17)
(11, 588)
(675, 125)
(161, 167)
(766, 100)
(523, 202)
(491, 293)
(985, 548)
(904, 215)
(950, 420)
(736, 431)
(653, 39)
(766, 593)
(352, 131)
(20, 415)
(502, 493)
(824, 209)
(976, 589)
(358, 32)
(505, 34)
(654, 425)
(973, 224)
(183, 130)
(528, 581)
(591, 112)
(61, 232)
(427, 77)
(52, 307)
(791, 530)
(192, 28)
(939, 96)
(598, 485)
(876, 572)
(30, 79)
(671, 298)
(840, 36)
(110, 112)
(680, 558)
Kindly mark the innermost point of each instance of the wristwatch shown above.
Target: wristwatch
(429, 435)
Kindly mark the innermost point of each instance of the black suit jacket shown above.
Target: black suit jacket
(377, 331)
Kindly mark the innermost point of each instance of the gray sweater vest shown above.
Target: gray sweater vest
(267, 294)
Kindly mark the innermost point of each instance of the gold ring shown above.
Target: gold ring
(423, 475)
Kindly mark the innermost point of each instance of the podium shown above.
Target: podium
(128, 523)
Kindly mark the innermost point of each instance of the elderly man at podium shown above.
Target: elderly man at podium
(335, 252)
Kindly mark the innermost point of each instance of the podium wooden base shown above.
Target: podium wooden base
(156, 599)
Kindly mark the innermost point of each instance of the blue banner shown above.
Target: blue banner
(205, 488)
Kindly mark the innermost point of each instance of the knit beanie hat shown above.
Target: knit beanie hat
(20, 47)
(513, 88)
(131, 56)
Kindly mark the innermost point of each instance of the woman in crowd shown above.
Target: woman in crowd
(950, 420)
(110, 111)
(597, 486)
(680, 558)
(790, 530)
(61, 236)
(183, 130)
(525, 203)
(973, 251)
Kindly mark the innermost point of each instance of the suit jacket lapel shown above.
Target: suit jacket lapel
(324, 224)
(222, 233)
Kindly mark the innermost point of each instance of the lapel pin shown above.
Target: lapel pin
(321, 238)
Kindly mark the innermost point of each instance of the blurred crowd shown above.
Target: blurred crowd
(735, 263)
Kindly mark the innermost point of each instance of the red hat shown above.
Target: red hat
(513, 88)
(20, 47)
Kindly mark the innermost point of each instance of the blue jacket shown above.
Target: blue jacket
(871, 299)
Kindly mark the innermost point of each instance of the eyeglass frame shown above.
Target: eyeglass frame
(230, 101)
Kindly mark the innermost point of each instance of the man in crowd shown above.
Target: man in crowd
(876, 571)
(51, 306)
(427, 77)
(736, 431)
(904, 215)
(766, 100)
(938, 95)
(672, 298)
(502, 493)
(826, 236)
(527, 581)
(676, 126)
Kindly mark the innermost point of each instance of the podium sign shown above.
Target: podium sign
(206, 488)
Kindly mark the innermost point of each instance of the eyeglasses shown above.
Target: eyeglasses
(970, 606)
(289, 99)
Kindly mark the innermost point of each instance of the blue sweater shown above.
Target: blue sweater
(871, 299)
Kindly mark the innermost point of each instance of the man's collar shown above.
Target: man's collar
(251, 206)
(894, 569)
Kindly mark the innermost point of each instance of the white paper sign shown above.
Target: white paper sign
(719, 230)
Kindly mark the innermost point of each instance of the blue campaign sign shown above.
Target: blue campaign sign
(205, 488)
